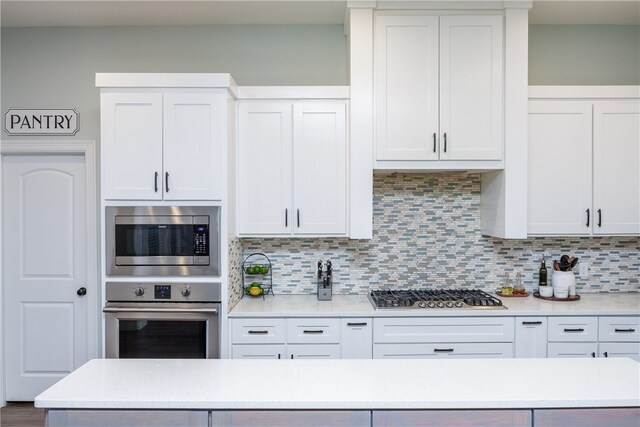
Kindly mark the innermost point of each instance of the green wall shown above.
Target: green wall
(55, 67)
(584, 55)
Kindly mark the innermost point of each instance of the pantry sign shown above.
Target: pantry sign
(41, 122)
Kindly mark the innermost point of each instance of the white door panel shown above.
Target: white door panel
(471, 87)
(616, 168)
(194, 129)
(559, 152)
(319, 168)
(406, 87)
(44, 258)
(264, 160)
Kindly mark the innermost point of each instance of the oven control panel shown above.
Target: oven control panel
(162, 291)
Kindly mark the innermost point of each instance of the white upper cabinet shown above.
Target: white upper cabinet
(406, 87)
(192, 150)
(264, 163)
(616, 168)
(319, 168)
(438, 84)
(584, 167)
(131, 129)
(559, 155)
(163, 145)
(292, 170)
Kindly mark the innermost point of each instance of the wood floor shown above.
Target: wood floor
(21, 414)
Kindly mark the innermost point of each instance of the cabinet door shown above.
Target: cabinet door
(531, 337)
(291, 418)
(313, 331)
(131, 139)
(616, 168)
(264, 168)
(471, 79)
(357, 338)
(319, 168)
(458, 418)
(559, 152)
(406, 87)
(587, 417)
(257, 351)
(194, 132)
(313, 351)
(573, 329)
(620, 349)
(572, 349)
(619, 328)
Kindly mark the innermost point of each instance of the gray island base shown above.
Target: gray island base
(481, 392)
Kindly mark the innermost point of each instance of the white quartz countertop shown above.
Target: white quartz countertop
(624, 304)
(347, 384)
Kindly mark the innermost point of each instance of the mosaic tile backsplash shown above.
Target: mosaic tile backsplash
(426, 233)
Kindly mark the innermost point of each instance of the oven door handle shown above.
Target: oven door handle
(159, 310)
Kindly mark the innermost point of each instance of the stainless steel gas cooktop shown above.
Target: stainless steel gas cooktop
(434, 298)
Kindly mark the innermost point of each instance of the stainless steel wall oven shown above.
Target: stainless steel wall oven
(162, 320)
(163, 240)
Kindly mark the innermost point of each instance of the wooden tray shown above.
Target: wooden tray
(570, 298)
(526, 294)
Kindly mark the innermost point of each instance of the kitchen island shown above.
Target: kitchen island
(502, 392)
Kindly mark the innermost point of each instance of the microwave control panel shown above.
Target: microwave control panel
(200, 234)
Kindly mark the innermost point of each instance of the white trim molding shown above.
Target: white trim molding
(293, 92)
(167, 80)
(583, 92)
(87, 148)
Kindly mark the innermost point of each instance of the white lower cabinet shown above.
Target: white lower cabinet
(313, 351)
(260, 351)
(572, 349)
(129, 418)
(451, 337)
(619, 336)
(440, 350)
(357, 338)
(531, 337)
(620, 349)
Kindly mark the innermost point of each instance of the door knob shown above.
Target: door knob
(82, 291)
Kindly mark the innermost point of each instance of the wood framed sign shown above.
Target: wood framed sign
(42, 121)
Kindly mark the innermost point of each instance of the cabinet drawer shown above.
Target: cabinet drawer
(313, 351)
(258, 351)
(572, 349)
(573, 329)
(438, 330)
(257, 331)
(313, 331)
(620, 349)
(625, 329)
(439, 350)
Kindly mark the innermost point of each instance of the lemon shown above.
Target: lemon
(255, 291)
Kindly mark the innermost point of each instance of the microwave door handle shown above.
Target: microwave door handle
(159, 310)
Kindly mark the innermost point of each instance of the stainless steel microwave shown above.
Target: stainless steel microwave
(163, 240)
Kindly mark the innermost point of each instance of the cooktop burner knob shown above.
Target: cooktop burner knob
(459, 304)
(431, 304)
(422, 304)
(449, 304)
(185, 291)
(440, 304)
(139, 291)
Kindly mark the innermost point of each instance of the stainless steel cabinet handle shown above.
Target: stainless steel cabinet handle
(599, 217)
(445, 142)
(159, 310)
(538, 322)
(357, 324)
(573, 329)
(434, 142)
(588, 217)
(156, 182)
(313, 331)
(257, 332)
(443, 350)
(166, 182)
(624, 330)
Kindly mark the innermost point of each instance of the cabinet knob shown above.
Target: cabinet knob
(82, 291)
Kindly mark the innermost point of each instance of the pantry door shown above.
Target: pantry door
(48, 292)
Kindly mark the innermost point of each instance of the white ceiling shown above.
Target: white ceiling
(26, 13)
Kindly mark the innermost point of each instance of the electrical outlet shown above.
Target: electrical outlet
(584, 269)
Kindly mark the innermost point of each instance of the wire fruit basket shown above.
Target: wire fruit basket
(257, 275)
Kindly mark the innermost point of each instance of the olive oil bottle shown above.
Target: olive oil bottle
(542, 277)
